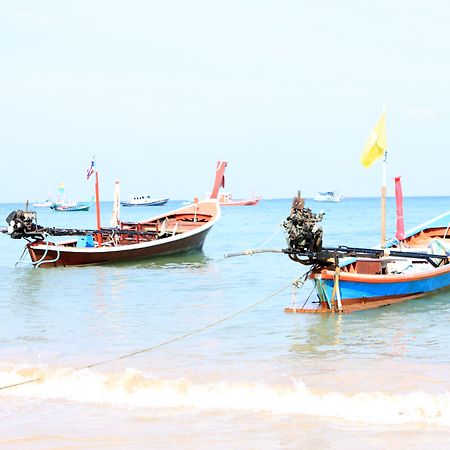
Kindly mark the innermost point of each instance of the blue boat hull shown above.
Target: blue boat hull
(366, 290)
(356, 291)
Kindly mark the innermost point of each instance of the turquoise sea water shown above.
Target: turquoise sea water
(260, 380)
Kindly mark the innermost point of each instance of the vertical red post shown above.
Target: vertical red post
(97, 210)
(219, 181)
(400, 235)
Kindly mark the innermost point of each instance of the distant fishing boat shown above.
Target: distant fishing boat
(328, 196)
(61, 204)
(144, 200)
(43, 204)
(225, 198)
(70, 206)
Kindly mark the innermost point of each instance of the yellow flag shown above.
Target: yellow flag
(376, 144)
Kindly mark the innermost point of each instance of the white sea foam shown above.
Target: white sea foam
(135, 389)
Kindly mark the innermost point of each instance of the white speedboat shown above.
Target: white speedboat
(328, 196)
(144, 200)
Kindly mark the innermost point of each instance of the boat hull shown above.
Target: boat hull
(71, 208)
(364, 283)
(321, 200)
(159, 202)
(73, 256)
(251, 202)
(186, 231)
(366, 291)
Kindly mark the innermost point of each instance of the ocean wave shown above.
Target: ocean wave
(136, 389)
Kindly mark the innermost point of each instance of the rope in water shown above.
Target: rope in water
(163, 343)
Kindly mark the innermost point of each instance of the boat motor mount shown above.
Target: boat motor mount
(22, 224)
(303, 229)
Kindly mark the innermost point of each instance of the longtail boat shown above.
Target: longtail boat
(178, 231)
(411, 265)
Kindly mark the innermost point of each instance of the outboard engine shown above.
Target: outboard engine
(22, 224)
(304, 233)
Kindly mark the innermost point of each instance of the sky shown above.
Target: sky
(286, 91)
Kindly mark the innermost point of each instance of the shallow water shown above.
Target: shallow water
(262, 379)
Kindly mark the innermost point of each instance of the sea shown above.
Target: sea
(196, 352)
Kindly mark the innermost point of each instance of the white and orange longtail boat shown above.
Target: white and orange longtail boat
(178, 231)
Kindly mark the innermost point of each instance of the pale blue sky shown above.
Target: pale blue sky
(286, 91)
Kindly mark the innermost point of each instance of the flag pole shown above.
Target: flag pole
(97, 210)
(383, 201)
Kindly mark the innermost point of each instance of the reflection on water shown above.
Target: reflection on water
(317, 335)
(24, 288)
(399, 331)
(195, 259)
(192, 259)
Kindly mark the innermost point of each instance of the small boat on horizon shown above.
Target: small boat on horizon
(144, 200)
(71, 206)
(67, 205)
(46, 203)
(328, 196)
(225, 198)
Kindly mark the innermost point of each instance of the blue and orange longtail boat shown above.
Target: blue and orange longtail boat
(364, 281)
(411, 265)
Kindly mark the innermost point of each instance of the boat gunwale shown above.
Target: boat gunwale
(383, 278)
(62, 246)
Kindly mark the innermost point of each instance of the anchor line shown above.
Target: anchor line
(167, 341)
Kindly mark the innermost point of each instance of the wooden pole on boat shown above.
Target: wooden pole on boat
(115, 218)
(97, 210)
(383, 202)
(195, 208)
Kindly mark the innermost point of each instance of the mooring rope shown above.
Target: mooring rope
(21, 257)
(279, 228)
(162, 343)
